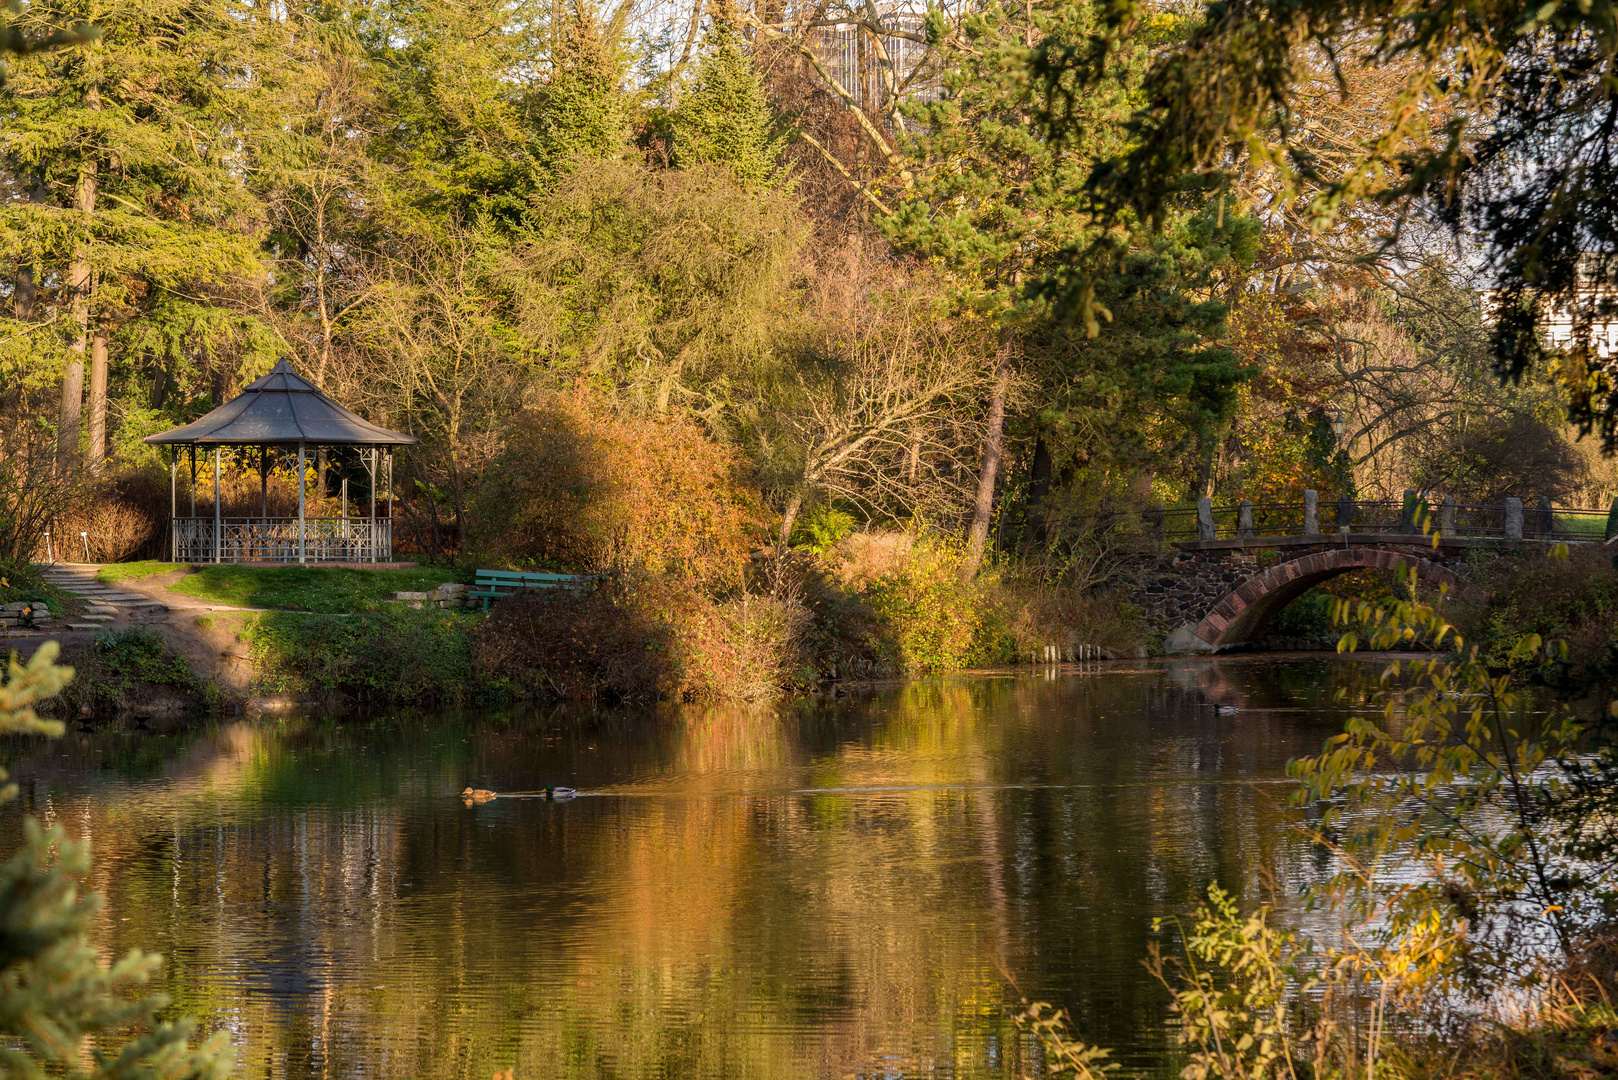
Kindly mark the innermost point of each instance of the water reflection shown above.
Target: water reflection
(825, 889)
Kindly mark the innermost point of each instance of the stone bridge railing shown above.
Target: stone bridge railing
(1414, 516)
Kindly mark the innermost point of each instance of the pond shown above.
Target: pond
(862, 886)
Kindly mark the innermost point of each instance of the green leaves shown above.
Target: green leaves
(1462, 775)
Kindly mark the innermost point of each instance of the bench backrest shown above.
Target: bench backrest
(520, 580)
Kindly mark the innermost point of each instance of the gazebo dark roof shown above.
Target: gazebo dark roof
(281, 408)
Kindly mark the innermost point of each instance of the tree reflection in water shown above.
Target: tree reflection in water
(823, 888)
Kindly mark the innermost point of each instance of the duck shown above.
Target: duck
(478, 795)
(1225, 710)
(554, 792)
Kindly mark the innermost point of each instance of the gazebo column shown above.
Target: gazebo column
(264, 482)
(218, 533)
(301, 467)
(174, 503)
(373, 471)
(390, 504)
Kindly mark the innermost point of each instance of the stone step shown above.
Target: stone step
(96, 618)
(84, 626)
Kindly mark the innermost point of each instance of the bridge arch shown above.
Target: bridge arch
(1246, 608)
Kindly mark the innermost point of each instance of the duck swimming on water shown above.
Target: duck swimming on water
(554, 792)
(477, 795)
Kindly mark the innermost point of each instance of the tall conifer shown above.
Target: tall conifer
(133, 146)
(584, 111)
(724, 117)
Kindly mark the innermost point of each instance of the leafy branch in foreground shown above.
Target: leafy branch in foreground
(1479, 87)
(1476, 883)
(58, 1002)
(1462, 777)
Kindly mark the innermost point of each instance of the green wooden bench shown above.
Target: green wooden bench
(493, 584)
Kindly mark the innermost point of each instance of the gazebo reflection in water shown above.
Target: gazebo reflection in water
(276, 415)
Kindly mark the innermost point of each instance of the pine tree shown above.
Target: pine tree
(584, 112)
(724, 117)
(456, 85)
(131, 149)
(60, 1008)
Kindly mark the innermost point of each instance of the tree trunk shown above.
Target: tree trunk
(993, 439)
(78, 283)
(98, 396)
(26, 291)
(788, 517)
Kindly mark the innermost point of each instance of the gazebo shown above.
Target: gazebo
(276, 413)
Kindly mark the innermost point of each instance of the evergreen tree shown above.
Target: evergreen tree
(61, 1009)
(457, 83)
(130, 151)
(999, 204)
(724, 117)
(584, 111)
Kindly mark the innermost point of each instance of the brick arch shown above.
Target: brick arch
(1246, 608)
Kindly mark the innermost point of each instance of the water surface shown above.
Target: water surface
(858, 887)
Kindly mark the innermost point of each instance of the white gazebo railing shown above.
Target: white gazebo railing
(278, 540)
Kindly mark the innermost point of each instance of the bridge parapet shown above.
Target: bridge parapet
(1410, 517)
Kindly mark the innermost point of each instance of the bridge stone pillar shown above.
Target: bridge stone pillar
(1545, 525)
(1513, 519)
(1244, 520)
(1311, 513)
(1446, 516)
(1205, 521)
(1345, 512)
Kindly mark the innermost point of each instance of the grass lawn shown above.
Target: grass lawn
(112, 573)
(329, 590)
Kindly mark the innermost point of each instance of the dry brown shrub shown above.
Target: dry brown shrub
(576, 489)
(641, 639)
(117, 518)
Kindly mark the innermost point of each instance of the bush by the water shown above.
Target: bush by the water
(581, 490)
(396, 655)
(1568, 595)
(123, 670)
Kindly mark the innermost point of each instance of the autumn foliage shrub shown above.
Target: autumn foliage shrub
(641, 639)
(121, 517)
(662, 514)
(579, 489)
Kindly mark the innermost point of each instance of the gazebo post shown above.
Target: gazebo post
(174, 503)
(217, 532)
(390, 504)
(372, 471)
(300, 502)
(264, 481)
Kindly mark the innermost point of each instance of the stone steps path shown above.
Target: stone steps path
(104, 603)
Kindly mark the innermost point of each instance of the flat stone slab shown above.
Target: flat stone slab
(83, 626)
(96, 618)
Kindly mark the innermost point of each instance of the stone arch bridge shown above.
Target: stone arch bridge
(1214, 591)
